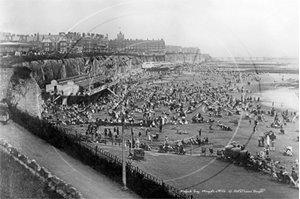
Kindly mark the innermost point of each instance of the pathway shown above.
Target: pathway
(86, 180)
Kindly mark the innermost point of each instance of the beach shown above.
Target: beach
(156, 93)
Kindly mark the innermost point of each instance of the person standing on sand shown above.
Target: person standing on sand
(263, 141)
(255, 125)
(272, 146)
(200, 133)
(254, 129)
(268, 141)
(281, 129)
(255, 122)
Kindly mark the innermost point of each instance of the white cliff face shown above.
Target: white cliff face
(26, 96)
(44, 71)
(47, 70)
(26, 93)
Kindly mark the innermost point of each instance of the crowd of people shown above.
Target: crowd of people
(146, 100)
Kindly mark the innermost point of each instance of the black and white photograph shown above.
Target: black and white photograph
(191, 99)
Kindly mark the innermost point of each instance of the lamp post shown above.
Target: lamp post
(123, 147)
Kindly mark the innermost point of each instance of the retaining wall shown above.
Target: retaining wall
(53, 182)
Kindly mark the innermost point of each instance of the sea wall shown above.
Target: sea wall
(53, 182)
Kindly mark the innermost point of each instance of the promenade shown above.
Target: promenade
(86, 180)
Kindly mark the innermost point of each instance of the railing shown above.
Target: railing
(99, 152)
(58, 135)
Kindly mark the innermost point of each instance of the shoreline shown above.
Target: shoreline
(282, 91)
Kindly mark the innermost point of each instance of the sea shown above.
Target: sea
(284, 96)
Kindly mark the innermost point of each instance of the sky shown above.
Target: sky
(221, 28)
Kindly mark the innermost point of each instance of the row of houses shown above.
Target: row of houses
(120, 44)
(73, 42)
(62, 42)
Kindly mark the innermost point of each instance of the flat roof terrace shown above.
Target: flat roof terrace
(84, 80)
(73, 78)
(90, 81)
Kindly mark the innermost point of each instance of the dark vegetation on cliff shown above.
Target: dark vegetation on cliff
(20, 73)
